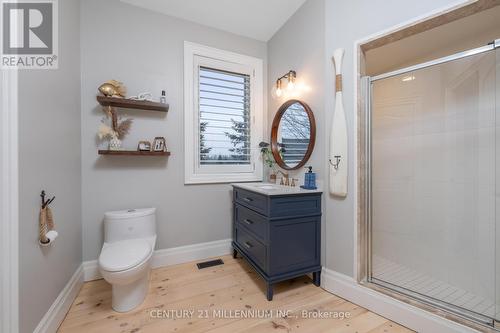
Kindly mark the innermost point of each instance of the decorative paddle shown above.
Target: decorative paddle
(338, 136)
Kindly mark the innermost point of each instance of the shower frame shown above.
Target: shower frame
(365, 194)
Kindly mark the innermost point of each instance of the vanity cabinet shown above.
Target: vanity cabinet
(279, 234)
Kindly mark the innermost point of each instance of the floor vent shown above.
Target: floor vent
(210, 263)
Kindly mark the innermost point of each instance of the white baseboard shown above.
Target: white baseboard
(58, 310)
(91, 271)
(172, 256)
(400, 312)
(182, 254)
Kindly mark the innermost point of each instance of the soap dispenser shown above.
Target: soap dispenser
(309, 180)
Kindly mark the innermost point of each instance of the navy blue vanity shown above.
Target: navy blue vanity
(277, 230)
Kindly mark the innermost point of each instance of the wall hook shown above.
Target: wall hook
(48, 202)
(336, 163)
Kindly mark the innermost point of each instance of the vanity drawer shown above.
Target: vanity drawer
(254, 222)
(251, 246)
(290, 206)
(255, 201)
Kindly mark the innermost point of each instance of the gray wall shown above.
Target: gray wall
(112, 49)
(347, 22)
(306, 44)
(300, 45)
(49, 158)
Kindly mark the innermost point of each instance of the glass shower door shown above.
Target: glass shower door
(497, 190)
(434, 149)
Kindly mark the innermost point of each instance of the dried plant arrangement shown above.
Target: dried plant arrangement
(119, 128)
(105, 132)
(123, 128)
(114, 132)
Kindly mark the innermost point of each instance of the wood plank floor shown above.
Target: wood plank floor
(228, 298)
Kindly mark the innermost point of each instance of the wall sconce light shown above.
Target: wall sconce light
(278, 88)
(290, 77)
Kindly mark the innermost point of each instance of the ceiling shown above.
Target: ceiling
(257, 19)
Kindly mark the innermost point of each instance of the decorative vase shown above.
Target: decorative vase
(115, 144)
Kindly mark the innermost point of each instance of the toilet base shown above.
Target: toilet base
(128, 297)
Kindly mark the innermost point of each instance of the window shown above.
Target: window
(223, 115)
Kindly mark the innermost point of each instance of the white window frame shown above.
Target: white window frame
(196, 55)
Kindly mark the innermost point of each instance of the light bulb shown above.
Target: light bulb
(278, 92)
(291, 80)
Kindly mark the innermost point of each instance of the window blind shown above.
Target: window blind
(224, 117)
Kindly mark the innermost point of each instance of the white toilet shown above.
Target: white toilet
(125, 260)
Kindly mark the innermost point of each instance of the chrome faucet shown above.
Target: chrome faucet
(286, 176)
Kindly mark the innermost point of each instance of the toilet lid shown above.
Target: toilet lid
(123, 255)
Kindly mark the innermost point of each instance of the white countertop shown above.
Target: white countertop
(274, 189)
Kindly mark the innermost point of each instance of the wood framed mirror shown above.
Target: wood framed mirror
(293, 134)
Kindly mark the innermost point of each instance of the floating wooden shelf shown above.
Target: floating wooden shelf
(132, 104)
(134, 153)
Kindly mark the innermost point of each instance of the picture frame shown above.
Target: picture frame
(144, 146)
(159, 144)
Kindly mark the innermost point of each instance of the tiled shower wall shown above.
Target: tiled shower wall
(434, 172)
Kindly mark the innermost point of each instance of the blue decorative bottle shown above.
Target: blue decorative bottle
(309, 180)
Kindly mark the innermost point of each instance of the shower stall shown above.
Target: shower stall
(433, 182)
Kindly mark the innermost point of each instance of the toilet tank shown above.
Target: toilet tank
(129, 224)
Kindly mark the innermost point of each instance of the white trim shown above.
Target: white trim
(357, 44)
(91, 271)
(172, 256)
(355, 161)
(407, 315)
(183, 254)
(192, 54)
(58, 310)
(9, 256)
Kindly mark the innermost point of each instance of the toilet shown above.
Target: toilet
(125, 260)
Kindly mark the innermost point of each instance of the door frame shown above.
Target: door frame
(425, 22)
(414, 26)
(9, 222)
(364, 225)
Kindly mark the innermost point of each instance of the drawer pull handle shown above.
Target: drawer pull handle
(248, 199)
(248, 245)
(247, 221)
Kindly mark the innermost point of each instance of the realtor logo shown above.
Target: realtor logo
(29, 34)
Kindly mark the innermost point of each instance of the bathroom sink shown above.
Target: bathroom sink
(269, 187)
(273, 189)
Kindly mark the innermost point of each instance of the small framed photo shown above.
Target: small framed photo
(144, 146)
(159, 144)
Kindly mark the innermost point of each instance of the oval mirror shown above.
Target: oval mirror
(293, 135)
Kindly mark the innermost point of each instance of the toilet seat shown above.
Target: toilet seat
(124, 255)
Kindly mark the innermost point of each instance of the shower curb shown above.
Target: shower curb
(405, 314)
